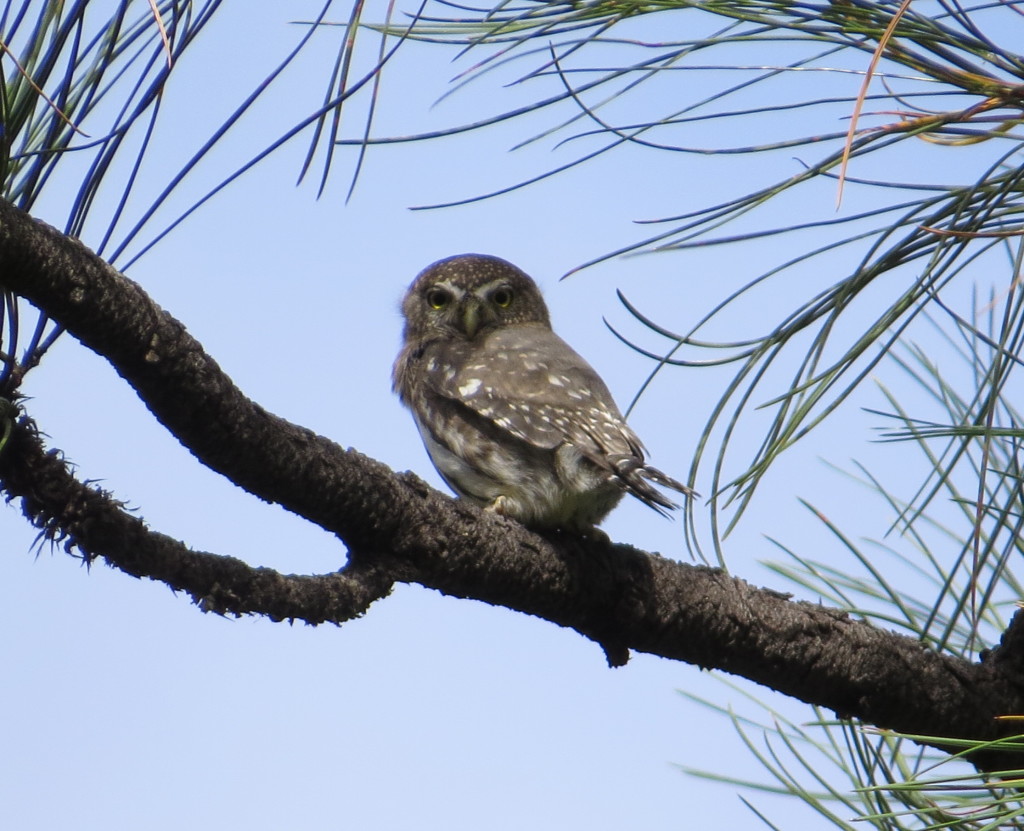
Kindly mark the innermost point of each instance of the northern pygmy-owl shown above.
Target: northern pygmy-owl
(513, 419)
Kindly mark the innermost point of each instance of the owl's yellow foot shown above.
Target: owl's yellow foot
(499, 506)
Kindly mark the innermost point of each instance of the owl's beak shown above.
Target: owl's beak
(471, 317)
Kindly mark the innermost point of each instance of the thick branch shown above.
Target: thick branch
(398, 529)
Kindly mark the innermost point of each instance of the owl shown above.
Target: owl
(513, 419)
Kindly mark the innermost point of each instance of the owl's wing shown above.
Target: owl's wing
(528, 381)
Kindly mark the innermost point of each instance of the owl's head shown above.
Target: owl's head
(469, 294)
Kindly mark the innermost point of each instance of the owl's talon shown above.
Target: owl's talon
(499, 506)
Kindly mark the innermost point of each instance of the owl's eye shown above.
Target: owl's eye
(502, 297)
(438, 298)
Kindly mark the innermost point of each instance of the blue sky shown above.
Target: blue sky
(128, 708)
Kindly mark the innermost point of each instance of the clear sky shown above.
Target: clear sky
(126, 707)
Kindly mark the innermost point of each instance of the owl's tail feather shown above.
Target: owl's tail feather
(637, 476)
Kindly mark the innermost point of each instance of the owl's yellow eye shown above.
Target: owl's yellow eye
(502, 297)
(438, 298)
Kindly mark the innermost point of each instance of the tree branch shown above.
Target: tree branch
(398, 529)
(90, 522)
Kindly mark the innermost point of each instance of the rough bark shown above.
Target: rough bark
(397, 529)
